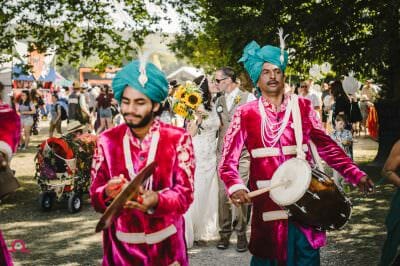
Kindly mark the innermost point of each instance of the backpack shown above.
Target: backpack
(64, 115)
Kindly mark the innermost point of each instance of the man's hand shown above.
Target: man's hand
(146, 201)
(240, 197)
(114, 186)
(3, 161)
(366, 185)
(346, 142)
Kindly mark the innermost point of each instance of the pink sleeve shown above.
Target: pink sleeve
(178, 198)
(100, 177)
(332, 154)
(233, 145)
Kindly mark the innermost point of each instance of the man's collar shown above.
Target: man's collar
(136, 141)
(268, 105)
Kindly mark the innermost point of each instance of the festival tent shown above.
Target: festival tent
(185, 73)
(55, 78)
(18, 75)
(50, 76)
(5, 79)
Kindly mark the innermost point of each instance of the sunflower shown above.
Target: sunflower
(193, 99)
(180, 109)
(180, 93)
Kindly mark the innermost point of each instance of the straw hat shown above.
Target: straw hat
(74, 125)
(76, 85)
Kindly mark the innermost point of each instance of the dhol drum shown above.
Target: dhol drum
(310, 196)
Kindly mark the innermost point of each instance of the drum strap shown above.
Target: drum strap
(298, 132)
(316, 157)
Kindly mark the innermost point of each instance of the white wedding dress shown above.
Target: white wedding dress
(202, 216)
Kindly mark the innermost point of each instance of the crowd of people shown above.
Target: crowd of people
(207, 165)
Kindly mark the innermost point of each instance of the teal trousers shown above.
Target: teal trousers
(299, 251)
(392, 242)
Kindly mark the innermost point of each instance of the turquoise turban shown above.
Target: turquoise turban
(254, 57)
(156, 87)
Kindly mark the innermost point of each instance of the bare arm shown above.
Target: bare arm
(392, 164)
(58, 114)
(31, 112)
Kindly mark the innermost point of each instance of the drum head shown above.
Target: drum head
(298, 174)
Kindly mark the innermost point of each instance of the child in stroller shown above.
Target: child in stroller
(63, 168)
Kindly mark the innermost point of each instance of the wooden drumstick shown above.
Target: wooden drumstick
(260, 191)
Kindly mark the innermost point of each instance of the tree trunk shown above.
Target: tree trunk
(389, 129)
(389, 108)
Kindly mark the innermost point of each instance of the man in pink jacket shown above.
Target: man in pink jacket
(10, 130)
(258, 126)
(151, 231)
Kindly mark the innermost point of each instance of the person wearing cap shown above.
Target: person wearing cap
(149, 231)
(77, 107)
(74, 129)
(275, 240)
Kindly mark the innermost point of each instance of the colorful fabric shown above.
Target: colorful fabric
(254, 57)
(104, 101)
(340, 136)
(372, 123)
(299, 251)
(156, 87)
(392, 241)
(269, 239)
(10, 130)
(5, 257)
(173, 178)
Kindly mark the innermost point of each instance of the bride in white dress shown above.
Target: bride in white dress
(202, 216)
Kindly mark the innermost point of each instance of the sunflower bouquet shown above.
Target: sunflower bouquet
(186, 100)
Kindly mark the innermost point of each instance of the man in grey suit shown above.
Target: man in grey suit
(232, 98)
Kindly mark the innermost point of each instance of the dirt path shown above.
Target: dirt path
(61, 238)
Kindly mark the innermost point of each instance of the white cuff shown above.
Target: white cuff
(274, 215)
(236, 187)
(263, 183)
(6, 149)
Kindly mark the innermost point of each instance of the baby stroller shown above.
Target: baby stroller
(63, 172)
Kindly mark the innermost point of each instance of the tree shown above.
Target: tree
(361, 35)
(113, 30)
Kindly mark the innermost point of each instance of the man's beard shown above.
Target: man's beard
(144, 122)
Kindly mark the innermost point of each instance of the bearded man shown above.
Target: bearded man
(150, 231)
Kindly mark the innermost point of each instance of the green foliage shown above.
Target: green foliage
(361, 35)
(77, 29)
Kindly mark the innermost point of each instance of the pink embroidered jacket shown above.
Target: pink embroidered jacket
(10, 129)
(137, 238)
(269, 238)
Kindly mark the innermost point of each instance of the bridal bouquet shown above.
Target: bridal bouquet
(186, 100)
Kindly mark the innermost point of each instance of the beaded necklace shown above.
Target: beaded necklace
(272, 131)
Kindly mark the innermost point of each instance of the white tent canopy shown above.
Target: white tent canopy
(185, 73)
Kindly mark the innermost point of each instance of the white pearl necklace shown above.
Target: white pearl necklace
(272, 131)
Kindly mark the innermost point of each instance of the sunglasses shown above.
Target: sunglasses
(219, 80)
(304, 86)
